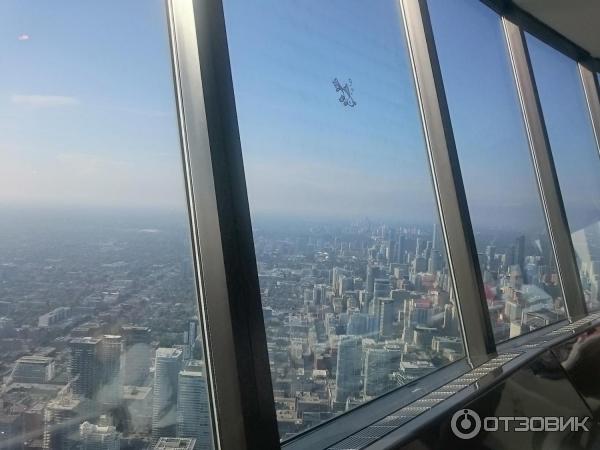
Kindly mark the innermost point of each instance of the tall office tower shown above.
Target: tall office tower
(372, 273)
(516, 277)
(102, 436)
(545, 248)
(415, 313)
(345, 284)
(193, 413)
(519, 257)
(84, 368)
(335, 278)
(386, 318)
(533, 273)
(427, 251)
(352, 301)
(357, 324)
(363, 302)
(381, 289)
(316, 295)
(61, 427)
(189, 339)
(168, 443)
(138, 354)
(399, 249)
(110, 352)
(490, 252)
(421, 312)
(193, 332)
(435, 262)
(419, 265)
(390, 248)
(380, 363)
(347, 377)
(436, 239)
(451, 323)
(420, 248)
(166, 378)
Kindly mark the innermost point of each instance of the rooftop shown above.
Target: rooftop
(175, 443)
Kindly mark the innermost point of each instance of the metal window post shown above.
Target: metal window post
(545, 171)
(592, 98)
(243, 410)
(450, 193)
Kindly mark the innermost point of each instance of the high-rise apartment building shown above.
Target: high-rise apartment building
(348, 372)
(84, 369)
(138, 354)
(386, 318)
(166, 380)
(193, 412)
(61, 427)
(111, 349)
(380, 363)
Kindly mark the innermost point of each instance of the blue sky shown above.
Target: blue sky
(486, 117)
(87, 112)
(570, 133)
(305, 153)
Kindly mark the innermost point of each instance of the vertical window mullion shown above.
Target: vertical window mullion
(545, 171)
(234, 334)
(592, 97)
(449, 188)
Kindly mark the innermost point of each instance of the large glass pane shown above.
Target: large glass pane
(515, 254)
(355, 286)
(575, 156)
(99, 338)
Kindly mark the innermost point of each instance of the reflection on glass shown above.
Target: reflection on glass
(515, 254)
(99, 341)
(356, 292)
(575, 155)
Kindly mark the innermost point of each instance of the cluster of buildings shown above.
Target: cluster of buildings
(119, 392)
(99, 350)
(587, 248)
(352, 313)
(522, 286)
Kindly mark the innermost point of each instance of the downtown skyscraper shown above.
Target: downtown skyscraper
(111, 349)
(348, 375)
(84, 368)
(166, 380)
(193, 412)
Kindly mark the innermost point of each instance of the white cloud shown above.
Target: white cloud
(44, 101)
(23, 37)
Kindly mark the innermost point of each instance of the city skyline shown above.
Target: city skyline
(386, 287)
(101, 336)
